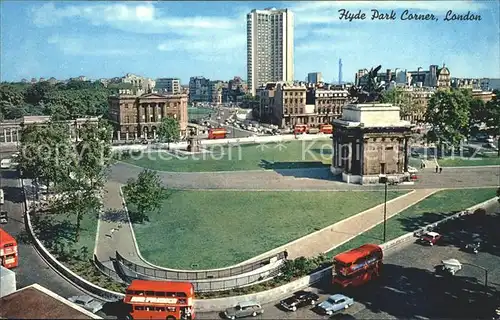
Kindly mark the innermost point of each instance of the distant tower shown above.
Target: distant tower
(340, 71)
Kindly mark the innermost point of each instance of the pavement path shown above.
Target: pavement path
(114, 232)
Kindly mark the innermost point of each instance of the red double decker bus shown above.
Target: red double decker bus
(357, 266)
(148, 299)
(326, 128)
(217, 133)
(300, 129)
(8, 250)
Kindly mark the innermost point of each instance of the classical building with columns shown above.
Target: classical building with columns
(370, 140)
(140, 116)
(10, 130)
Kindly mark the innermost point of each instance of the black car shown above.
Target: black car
(300, 299)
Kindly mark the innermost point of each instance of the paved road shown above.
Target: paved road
(410, 288)
(303, 179)
(235, 132)
(32, 268)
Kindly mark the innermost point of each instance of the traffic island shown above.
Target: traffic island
(205, 228)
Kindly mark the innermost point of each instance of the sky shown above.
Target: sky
(182, 39)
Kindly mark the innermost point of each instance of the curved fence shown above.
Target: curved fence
(111, 273)
(207, 285)
(199, 275)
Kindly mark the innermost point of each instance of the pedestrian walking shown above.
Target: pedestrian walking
(440, 169)
(437, 168)
(285, 254)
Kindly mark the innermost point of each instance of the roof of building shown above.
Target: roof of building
(37, 302)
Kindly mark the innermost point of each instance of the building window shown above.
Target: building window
(127, 119)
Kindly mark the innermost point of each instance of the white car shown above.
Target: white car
(87, 302)
(412, 169)
(5, 163)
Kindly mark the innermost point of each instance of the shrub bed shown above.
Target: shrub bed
(73, 255)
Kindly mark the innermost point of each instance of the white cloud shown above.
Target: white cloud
(95, 46)
(142, 18)
(210, 48)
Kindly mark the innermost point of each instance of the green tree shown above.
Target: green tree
(492, 118)
(78, 197)
(11, 111)
(478, 115)
(94, 153)
(145, 193)
(37, 92)
(12, 94)
(46, 152)
(169, 131)
(448, 114)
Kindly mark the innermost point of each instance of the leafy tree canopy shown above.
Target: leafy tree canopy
(169, 130)
(146, 193)
(448, 113)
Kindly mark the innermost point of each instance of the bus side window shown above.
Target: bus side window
(150, 293)
(170, 294)
(160, 294)
(139, 308)
(180, 294)
(160, 309)
(139, 293)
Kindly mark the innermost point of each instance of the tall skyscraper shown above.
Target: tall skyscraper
(269, 47)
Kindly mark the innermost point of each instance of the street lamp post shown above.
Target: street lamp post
(482, 268)
(383, 179)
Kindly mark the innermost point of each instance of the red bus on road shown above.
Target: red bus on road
(169, 300)
(326, 128)
(300, 128)
(217, 133)
(8, 250)
(357, 266)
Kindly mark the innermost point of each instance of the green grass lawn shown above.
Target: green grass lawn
(215, 229)
(434, 208)
(57, 233)
(291, 154)
(60, 229)
(488, 159)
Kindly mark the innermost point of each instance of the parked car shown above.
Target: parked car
(244, 309)
(451, 266)
(335, 303)
(87, 302)
(3, 217)
(412, 169)
(430, 238)
(300, 299)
